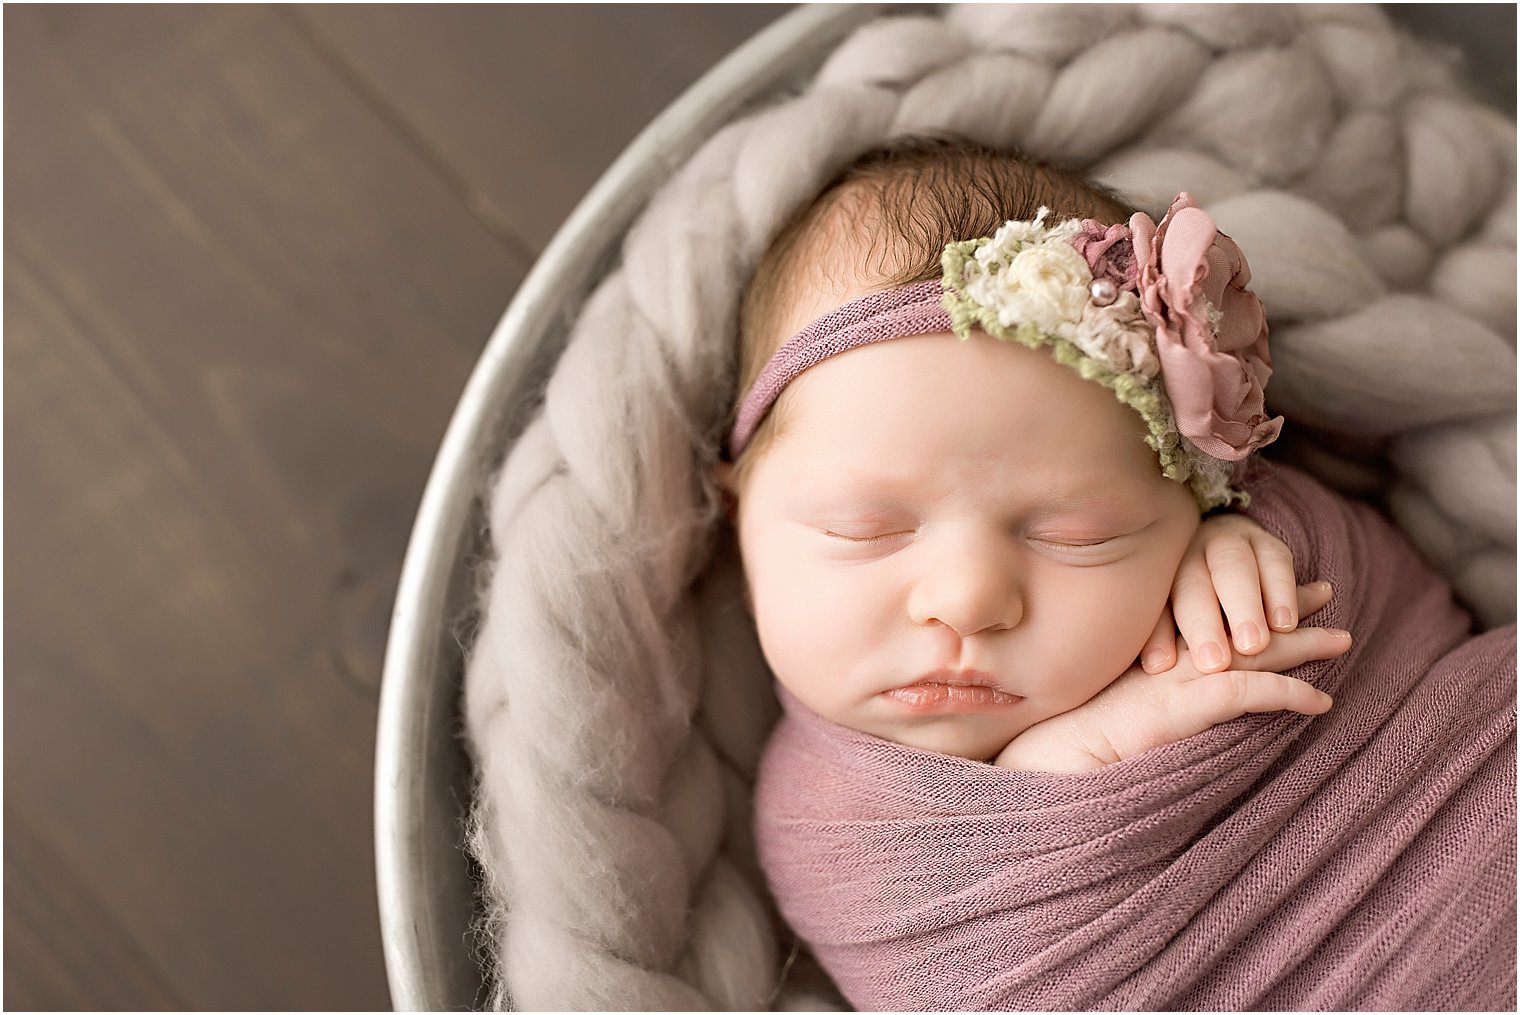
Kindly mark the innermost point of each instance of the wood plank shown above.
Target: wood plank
(239, 310)
(250, 256)
(1479, 39)
(531, 102)
(74, 969)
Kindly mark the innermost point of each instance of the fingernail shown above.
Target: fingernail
(1323, 586)
(1339, 633)
(1282, 617)
(1248, 637)
(1155, 659)
(1210, 655)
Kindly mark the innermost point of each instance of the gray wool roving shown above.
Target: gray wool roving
(616, 698)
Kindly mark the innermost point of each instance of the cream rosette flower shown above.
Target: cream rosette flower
(1031, 274)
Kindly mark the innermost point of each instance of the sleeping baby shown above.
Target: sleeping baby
(994, 480)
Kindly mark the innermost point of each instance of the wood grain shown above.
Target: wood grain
(529, 103)
(251, 254)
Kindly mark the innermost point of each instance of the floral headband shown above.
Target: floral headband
(1158, 314)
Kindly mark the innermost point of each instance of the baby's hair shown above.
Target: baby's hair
(903, 202)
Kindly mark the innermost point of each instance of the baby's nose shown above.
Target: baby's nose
(969, 589)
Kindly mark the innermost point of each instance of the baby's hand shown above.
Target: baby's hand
(1142, 710)
(1235, 564)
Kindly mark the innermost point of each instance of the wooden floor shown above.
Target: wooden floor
(251, 254)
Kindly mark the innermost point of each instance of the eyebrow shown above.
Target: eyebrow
(1098, 493)
(871, 483)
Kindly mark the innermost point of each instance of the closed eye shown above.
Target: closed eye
(1078, 542)
(866, 540)
(1075, 545)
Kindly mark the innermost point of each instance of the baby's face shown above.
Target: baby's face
(939, 511)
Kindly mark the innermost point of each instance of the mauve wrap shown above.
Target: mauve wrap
(1363, 859)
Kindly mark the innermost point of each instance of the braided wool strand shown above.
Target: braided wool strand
(616, 699)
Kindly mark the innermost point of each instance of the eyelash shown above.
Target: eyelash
(866, 540)
(1096, 550)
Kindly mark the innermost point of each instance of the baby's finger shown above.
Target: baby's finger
(1196, 609)
(1279, 591)
(1232, 565)
(1220, 697)
(1314, 597)
(1294, 648)
(1160, 651)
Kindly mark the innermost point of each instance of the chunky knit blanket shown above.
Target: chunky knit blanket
(1364, 859)
(616, 700)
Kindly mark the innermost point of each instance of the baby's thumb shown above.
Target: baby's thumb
(1220, 697)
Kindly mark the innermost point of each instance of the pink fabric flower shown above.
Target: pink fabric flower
(1108, 252)
(1211, 333)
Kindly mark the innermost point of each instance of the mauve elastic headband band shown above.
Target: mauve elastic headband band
(914, 309)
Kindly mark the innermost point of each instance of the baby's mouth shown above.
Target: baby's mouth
(951, 690)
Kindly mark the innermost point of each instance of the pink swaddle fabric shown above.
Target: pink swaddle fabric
(1364, 859)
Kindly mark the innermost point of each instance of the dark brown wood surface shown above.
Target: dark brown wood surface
(251, 254)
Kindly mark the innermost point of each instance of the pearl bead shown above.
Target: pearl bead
(1104, 292)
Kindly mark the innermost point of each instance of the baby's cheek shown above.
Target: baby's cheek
(812, 631)
(1134, 613)
(794, 612)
